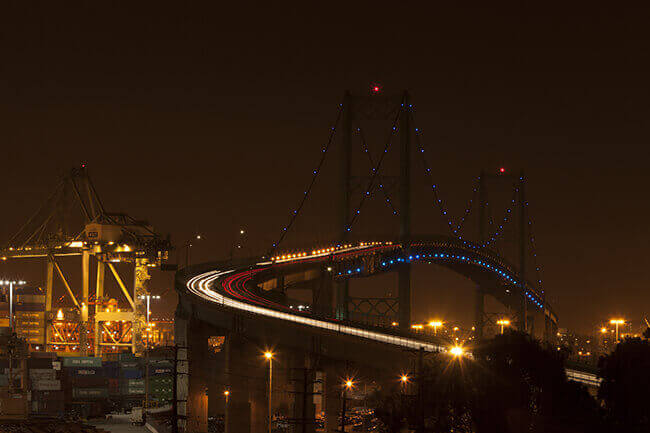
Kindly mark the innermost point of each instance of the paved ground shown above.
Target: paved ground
(120, 426)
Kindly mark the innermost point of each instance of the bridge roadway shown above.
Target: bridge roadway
(236, 287)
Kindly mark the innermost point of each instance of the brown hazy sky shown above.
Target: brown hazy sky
(210, 118)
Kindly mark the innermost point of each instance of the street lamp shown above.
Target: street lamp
(187, 246)
(503, 322)
(11, 284)
(617, 322)
(269, 355)
(347, 385)
(226, 394)
(457, 351)
(148, 298)
(435, 324)
(238, 243)
(404, 380)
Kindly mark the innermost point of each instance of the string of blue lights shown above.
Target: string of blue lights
(315, 173)
(456, 229)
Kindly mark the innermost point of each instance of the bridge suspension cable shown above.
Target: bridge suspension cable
(315, 173)
(366, 151)
(375, 171)
(456, 230)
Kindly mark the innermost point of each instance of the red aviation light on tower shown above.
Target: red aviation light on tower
(502, 170)
(375, 89)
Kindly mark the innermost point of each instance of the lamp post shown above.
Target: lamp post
(347, 385)
(435, 324)
(457, 351)
(617, 322)
(269, 355)
(187, 246)
(148, 298)
(11, 284)
(238, 243)
(503, 322)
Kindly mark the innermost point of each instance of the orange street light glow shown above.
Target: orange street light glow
(457, 351)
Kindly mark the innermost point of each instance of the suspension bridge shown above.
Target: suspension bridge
(229, 311)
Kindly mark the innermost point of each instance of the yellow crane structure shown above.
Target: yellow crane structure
(73, 222)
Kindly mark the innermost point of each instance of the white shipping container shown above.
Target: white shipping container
(46, 385)
(42, 374)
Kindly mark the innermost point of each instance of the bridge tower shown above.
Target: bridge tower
(378, 106)
(521, 243)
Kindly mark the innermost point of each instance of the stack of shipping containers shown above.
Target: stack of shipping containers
(86, 384)
(30, 318)
(131, 380)
(160, 381)
(44, 376)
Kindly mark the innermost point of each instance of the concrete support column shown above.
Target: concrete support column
(331, 398)
(199, 368)
(322, 295)
(479, 311)
(342, 299)
(404, 288)
(238, 409)
(547, 328)
(301, 379)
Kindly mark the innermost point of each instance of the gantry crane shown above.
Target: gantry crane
(73, 222)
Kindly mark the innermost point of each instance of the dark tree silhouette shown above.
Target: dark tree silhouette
(511, 384)
(523, 387)
(625, 389)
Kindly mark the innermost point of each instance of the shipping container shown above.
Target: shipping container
(47, 395)
(133, 390)
(46, 385)
(153, 371)
(82, 361)
(87, 381)
(50, 355)
(42, 374)
(89, 393)
(131, 374)
(48, 408)
(30, 323)
(71, 371)
(130, 364)
(39, 363)
(38, 315)
(4, 322)
(35, 340)
(30, 308)
(30, 332)
(135, 382)
(30, 299)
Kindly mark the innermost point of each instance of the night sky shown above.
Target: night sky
(210, 120)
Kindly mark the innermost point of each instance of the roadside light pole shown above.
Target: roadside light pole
(11, 284)
(269, 355)
(503, 322)
(148, 298)
(435, 324)
(187, 246)
(617, 322)
(349, 384)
